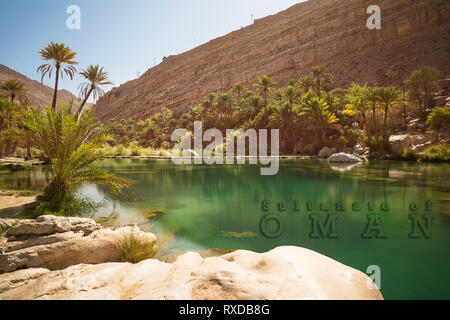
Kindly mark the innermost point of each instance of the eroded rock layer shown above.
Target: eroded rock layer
(283, 273)
(332, 33)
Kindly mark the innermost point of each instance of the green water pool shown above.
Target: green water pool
(234, 207)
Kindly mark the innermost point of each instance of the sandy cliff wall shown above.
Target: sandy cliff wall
(332, 33)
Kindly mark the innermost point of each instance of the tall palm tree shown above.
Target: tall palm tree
(265, 86)
(95, 77)
(389, 97)
(321, 78)
(238, 89)
(284, 117)
(373, 98)
(306, 83)
(15, 88)
(317, 110)
(358, 104)
(62, 60)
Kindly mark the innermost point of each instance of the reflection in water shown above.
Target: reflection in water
(343, 167)
(221, 207)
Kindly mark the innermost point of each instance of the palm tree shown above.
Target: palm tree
(290, 94)
(62, 60)
(265, 86)
(358, 104)
(18, 132)
(96, 77)
(306, 83)
(72, 145)
(321, 78)
(317, 110)
(15, 88)
(373, 98)
(238, 89)
(223, 106)
(389, 96)
(284, 117)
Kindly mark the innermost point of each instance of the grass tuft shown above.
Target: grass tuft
(133, 249)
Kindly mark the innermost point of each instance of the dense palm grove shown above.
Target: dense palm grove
(309, 113)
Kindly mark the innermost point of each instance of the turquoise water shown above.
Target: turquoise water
(222, 207)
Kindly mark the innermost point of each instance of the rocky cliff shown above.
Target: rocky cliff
(38, 93)
(332, 33)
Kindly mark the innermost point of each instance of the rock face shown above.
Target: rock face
(344, 158)
(57, 242)
(283, 273)
(326, 152)
(416, 142)
(331, 33)
(37, 93)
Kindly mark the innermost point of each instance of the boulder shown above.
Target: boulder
(400, 142)
(57, 242)
(359, 150)
(417, 142)
(45, 225)
(421, 147)
(326, 152)
(415, 125)
(344, 158)
(283, 273)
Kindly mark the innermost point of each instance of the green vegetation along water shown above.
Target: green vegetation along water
(222, 207)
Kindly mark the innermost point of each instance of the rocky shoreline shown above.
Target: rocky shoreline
(75, 258)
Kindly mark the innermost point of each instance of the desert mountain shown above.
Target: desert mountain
(331, 33)
(38, 93)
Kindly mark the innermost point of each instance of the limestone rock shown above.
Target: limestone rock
(45, 225)
(283, 273)
(399, 142)
(57, 242)
(359, 150)
(416, 142)
(421, 147)
(344, 158)
(326, 152)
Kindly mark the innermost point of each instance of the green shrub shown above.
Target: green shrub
(408, 154)
(436, 153)
(35, 152)
(20, 152)
(136, 153)
(133, 249)
(119, 150)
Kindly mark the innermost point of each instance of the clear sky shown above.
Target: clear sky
(124, 36)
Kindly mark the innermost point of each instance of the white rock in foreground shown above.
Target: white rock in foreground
(344, 158)
(283, 273)
(59, 242)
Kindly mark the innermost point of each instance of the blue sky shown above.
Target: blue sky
(123, 36)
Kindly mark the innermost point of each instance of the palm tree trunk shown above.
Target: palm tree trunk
(80, 109)
(55, 93)
(386, 110)
(374, 121)
(12, 98)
